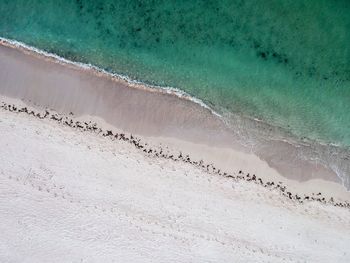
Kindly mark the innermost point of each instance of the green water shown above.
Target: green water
(285, 62)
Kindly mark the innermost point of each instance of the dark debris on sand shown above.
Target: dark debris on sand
(160, 152)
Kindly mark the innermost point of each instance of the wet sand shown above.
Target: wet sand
(155, 116)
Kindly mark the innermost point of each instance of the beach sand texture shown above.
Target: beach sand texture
(73, 196)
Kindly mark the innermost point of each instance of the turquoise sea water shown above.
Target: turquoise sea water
(284, 62)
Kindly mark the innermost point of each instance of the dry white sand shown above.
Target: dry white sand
(72, 196)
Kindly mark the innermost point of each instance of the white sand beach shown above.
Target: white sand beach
(73, 196)
(71, 193)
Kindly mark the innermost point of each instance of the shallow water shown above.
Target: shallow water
(284, 62)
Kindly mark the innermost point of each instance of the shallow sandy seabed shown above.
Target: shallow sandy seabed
(73, 196)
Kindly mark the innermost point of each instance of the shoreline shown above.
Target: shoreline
(68, 89)
(132, 83)
(103, 73)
